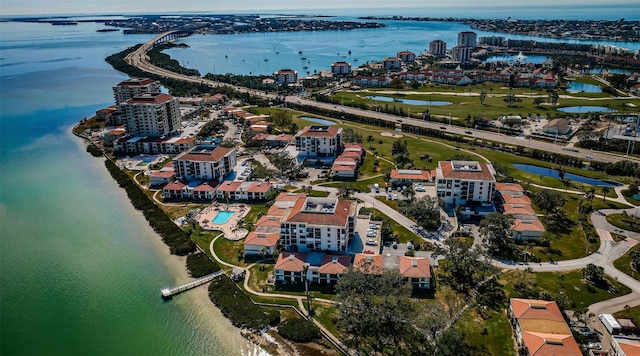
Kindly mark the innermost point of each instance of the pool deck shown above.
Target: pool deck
(230, 230)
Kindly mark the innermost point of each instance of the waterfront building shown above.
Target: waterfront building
(151, 115)
(261, 242)
(391, 63)
(461, 54)
(438, 48)
(557, 127)
(161, 178)
(285, 76)
(153, 145)
(406, 56)
(204, 163)
(318, 224)
(319, 142)
(196, 190)
(319, 267)
(132, 87)
(463, 182)
(540, 328)
(340, 68)
(492, 40)
(510, 199)
(467, 39)
(368, 263)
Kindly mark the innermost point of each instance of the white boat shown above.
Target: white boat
(521, 57)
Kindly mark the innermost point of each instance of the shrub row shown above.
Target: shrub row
(94, 150)
(178, 241)
(238, 307)
(199, 264)
(298, 330)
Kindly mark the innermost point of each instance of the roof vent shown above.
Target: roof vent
(291, 257)
(414, 262)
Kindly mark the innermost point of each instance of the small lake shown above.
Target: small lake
(318, 121)
(578, 87)
(584, 109)
(410, 101)
(549, 172)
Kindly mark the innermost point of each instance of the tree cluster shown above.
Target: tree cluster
(238, 307)
(495, 230)
(298, 330)
(199, 264)
(425, 210)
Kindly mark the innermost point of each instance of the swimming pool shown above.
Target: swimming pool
(222, 217)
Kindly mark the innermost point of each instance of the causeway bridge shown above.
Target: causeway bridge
(168, 293)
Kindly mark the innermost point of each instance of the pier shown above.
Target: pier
(168, 293)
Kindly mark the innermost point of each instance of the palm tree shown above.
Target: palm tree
(429, 159)
(605, 191)
(590, 194)
(566, 181)
(423, 158)
(370, 139)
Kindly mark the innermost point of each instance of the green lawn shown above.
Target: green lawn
(498, 338)
(466, 101)
(227, 251)
(364, 185)
(627, 195)
(581, 294)
(203, 240)
(634, 312)
(625, 222)
(404, 235)
(319, 290)
(326, 315)
(313, 193)
(258, 277)
(624, 264)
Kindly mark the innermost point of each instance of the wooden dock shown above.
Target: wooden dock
(168, 293)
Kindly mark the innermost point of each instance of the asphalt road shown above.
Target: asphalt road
(140, 60)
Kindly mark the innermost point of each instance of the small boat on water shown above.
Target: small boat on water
(521, 57)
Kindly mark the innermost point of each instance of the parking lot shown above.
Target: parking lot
(361, 242)
(392, 256)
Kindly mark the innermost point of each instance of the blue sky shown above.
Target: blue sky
(33, 7)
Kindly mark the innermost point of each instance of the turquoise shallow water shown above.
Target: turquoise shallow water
(80, 269)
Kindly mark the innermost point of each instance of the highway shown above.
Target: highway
(140, 60)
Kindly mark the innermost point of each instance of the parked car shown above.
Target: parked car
(442, 128)
(372, 242)
(395, 245)
(373, 226)
(468, 132)
(395, 197)
(409, 246)
(389, 197)
(594, 345)
(371, 233)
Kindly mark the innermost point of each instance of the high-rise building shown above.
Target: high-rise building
(461, 182)
(340, 68)
(151, 115)
(461, 54)
(129, 88)
(467, 39)
(437, 47)
(285, 76)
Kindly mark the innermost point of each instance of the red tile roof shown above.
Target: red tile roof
(162, 174)
(259, 187)
(518, 209)
(415, 267)
(541, 344)
(512, 187)
(228, 186)
(204, 187)
(212, 156)
(135, 82)
(368, 263)
(334, 264)
(262, 239)
(343, 167)
(409, 174)
(536, 309)
(343, 209)
(290, 262)
(177, 185)
(312, 131)
(448, 172)
(528, 225)
(150, 99)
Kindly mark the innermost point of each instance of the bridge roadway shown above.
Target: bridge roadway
(140, 60)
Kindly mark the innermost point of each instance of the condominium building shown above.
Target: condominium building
(285, 76)
(129, 88)
(319, 142)
(340, 68)
(204, 163)
(406, 56)
(540, 328)
(461, 54)
(467, 39)
(151, 115)
(318, 224)
(391, 63)
(462, 182)
(437, 47)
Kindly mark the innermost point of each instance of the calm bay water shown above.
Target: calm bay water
(80, 268)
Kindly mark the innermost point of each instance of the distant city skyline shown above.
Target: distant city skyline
(47, 7)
